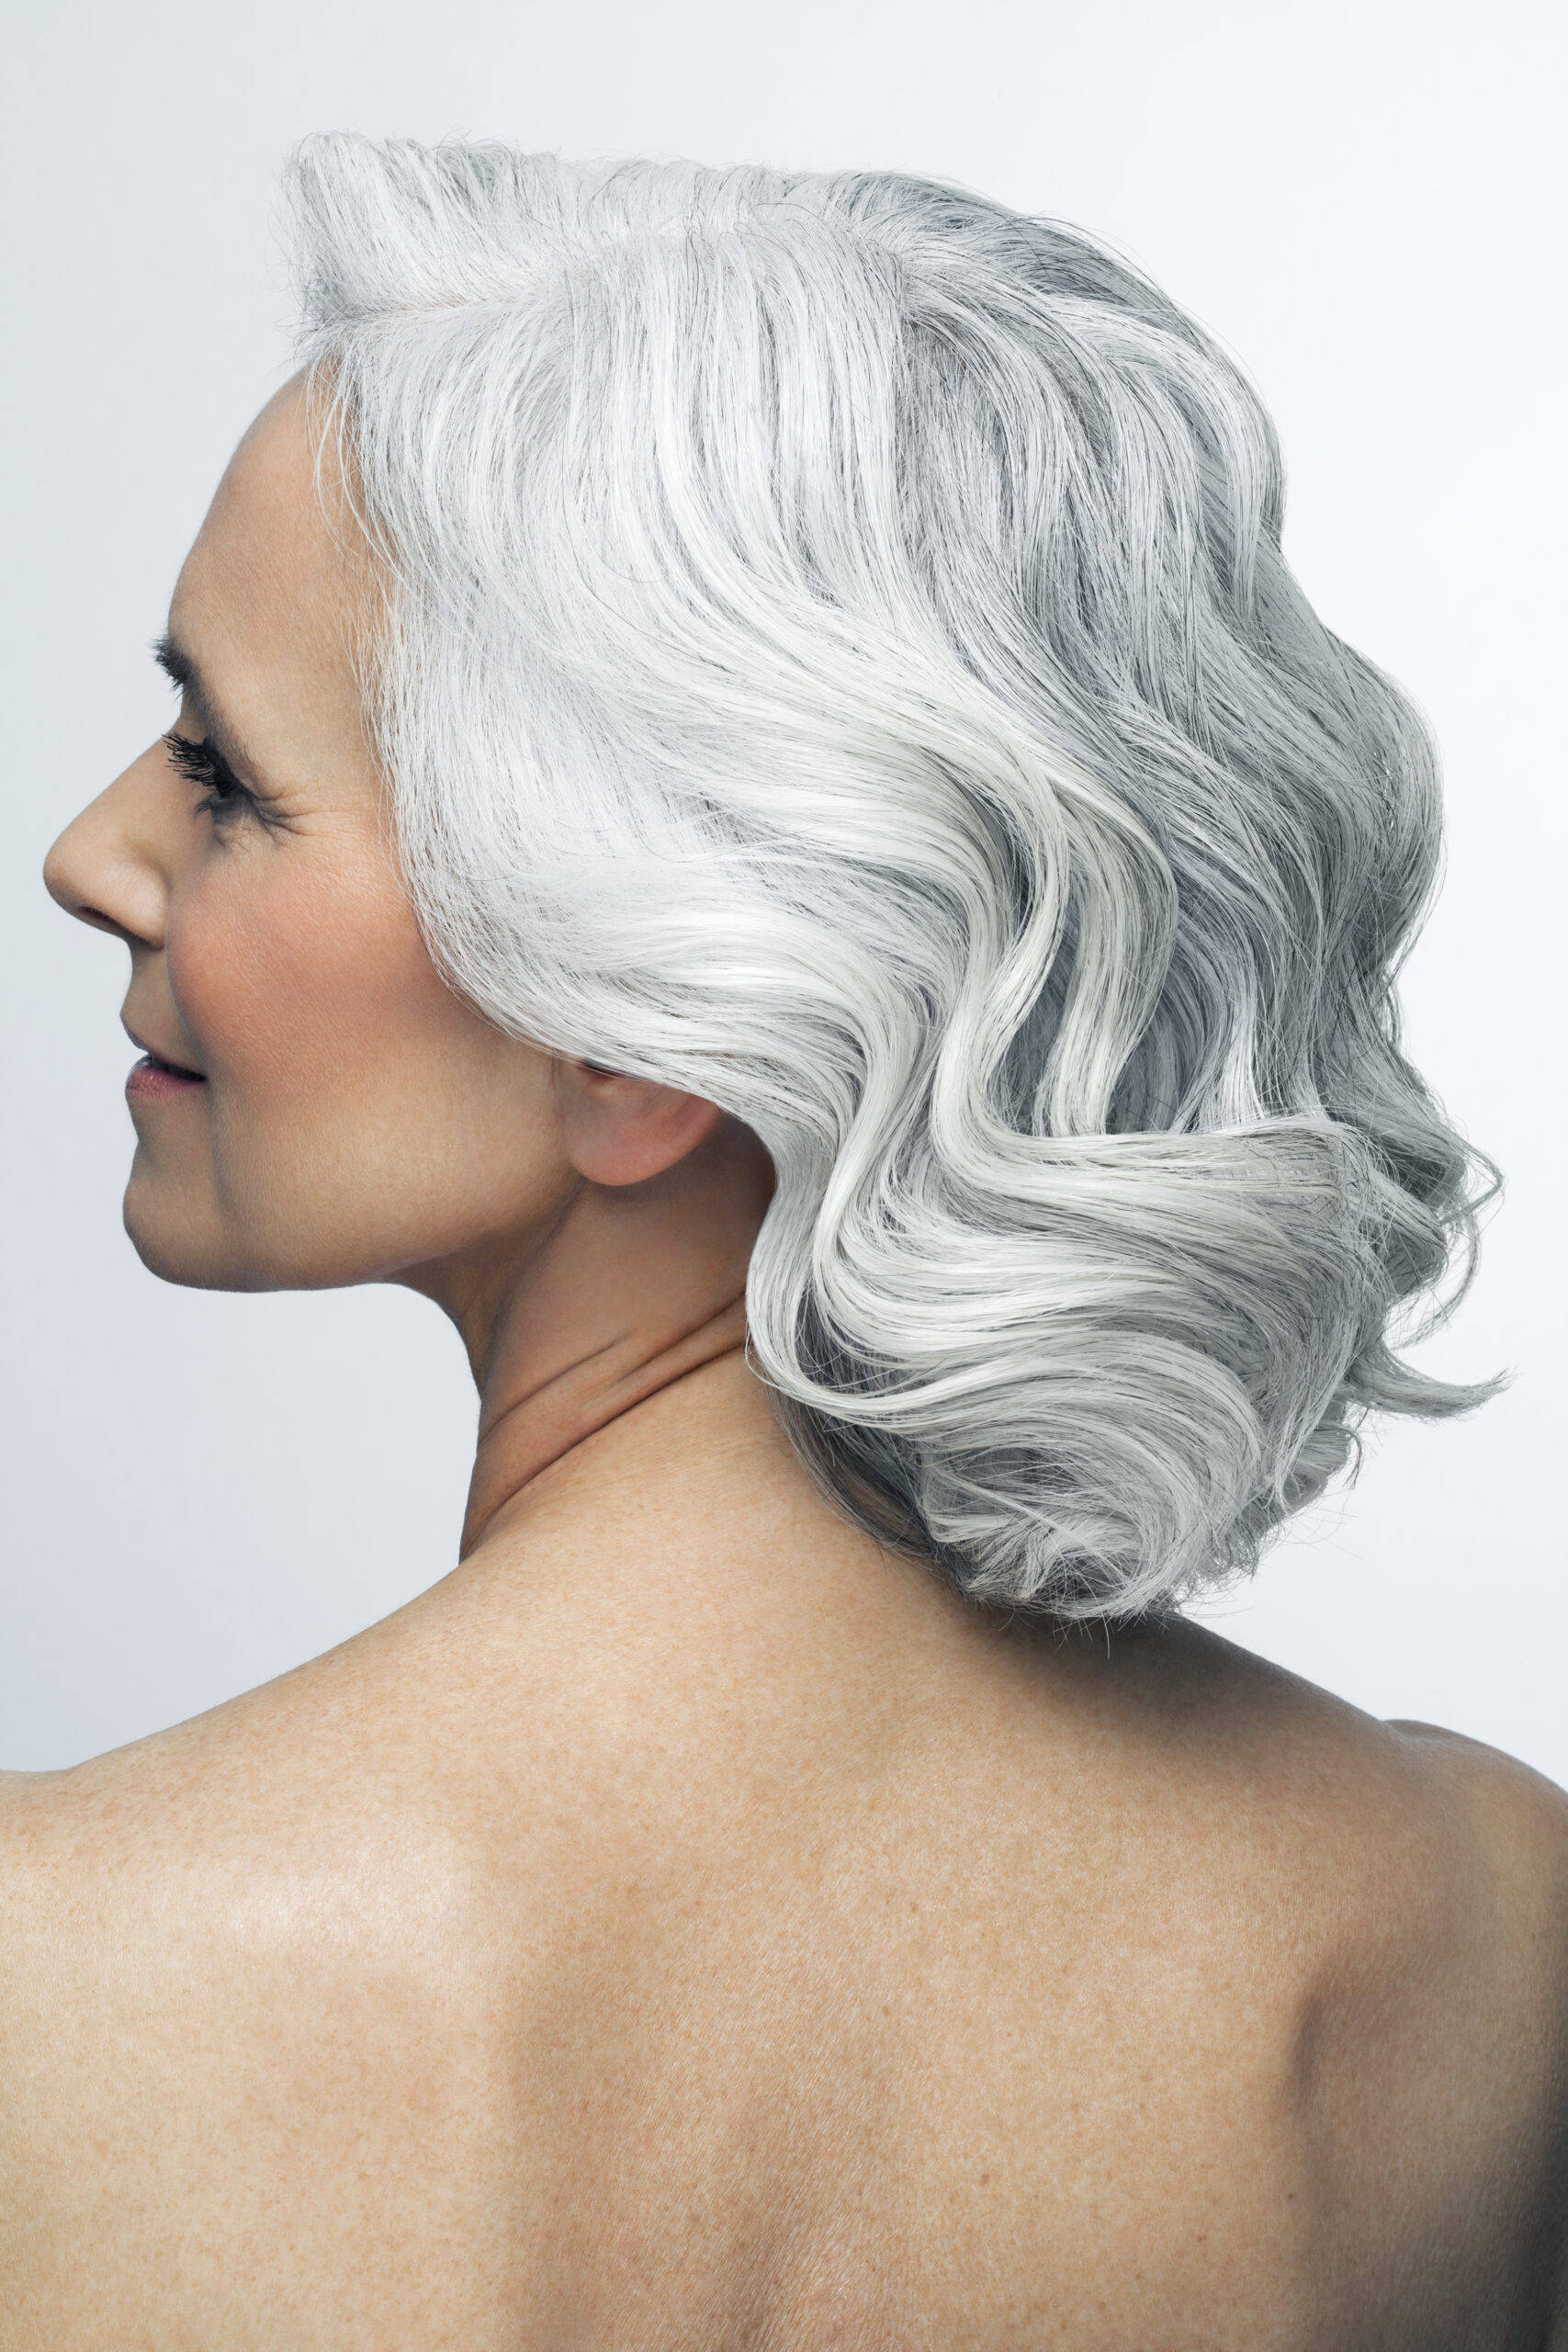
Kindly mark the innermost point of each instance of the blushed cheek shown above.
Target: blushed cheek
(359, 1112)
(297, 983)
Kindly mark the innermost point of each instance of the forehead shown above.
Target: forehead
(270, 593)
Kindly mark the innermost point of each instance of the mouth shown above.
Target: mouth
(155, 1076)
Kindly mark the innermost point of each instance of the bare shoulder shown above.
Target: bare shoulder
(33, 1872)
(1510, 1941)
(1422, 1887)
(1512, 1827)
(1517, 1817)
(234, 1960)
(1455, 1820)
(1479, 1861)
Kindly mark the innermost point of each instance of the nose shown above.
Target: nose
(105, 868)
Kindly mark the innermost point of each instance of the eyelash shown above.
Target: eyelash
(204, 764)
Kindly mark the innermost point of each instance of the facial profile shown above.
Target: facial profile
(315, 1105)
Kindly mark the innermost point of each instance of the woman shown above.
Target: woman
(755, 813)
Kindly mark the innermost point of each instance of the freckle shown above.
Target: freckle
(985, 2180)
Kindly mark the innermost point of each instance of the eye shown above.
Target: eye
(206, 765)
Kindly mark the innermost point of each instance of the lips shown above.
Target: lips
(155, 1075)
(152, 1078)
(160, 1062)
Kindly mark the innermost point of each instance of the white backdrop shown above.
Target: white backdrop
(1355, 196)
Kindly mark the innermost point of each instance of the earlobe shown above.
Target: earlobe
(622, 1130)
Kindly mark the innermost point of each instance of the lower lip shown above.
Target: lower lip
(152, 1081)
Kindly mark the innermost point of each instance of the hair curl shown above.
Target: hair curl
(839, 661)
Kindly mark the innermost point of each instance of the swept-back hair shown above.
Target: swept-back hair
(838, 661)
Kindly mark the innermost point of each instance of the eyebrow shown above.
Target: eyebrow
(181, 670)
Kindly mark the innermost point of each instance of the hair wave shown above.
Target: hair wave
(839, 661)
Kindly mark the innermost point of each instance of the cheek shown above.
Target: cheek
(352, 1094)
(289, 965)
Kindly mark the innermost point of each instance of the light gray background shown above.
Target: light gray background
(1355, 196)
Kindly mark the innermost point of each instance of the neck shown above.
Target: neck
(526, 1431)
(628, 1290)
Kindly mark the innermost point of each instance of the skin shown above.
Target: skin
(688, 1924)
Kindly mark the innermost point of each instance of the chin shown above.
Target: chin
(181, 1247)
(192, 1244)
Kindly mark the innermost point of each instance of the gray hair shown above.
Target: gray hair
(839, 663)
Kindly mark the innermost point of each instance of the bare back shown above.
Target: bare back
(763, 1950)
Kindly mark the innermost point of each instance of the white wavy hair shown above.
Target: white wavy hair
(839, 663)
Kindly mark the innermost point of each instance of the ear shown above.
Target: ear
(620, 1130)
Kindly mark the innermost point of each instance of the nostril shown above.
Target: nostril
(72, 905)
(105, 870)
(62, 882)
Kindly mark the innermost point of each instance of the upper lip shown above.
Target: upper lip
(167, 1060)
